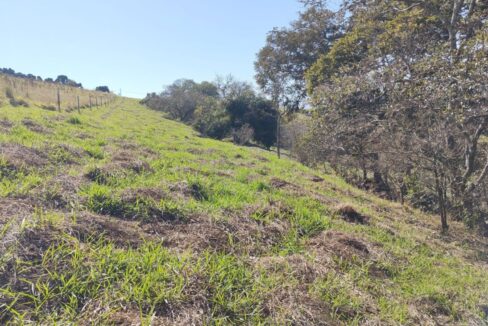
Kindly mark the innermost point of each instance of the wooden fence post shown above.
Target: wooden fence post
(59, 101)
(78, 100)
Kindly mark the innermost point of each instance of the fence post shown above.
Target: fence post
(90, 102)
(96, 101)
(59, 101)
(78, 100)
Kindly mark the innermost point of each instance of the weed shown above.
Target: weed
(74, 121)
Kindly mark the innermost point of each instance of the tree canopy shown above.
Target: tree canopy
(398, 90)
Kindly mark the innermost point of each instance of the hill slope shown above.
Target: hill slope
(118, 216)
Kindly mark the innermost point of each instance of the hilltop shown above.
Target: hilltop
(21, 91)
(116, 215)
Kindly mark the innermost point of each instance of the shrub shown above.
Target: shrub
(212, 121)
(243, 135)
(74, 121)
(48, 107)
(16, 103)
(349, 213)
(9, 93)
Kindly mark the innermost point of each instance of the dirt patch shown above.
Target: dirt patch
(197, 236)
(34, 242)
(190, 170)
(262, 159)
(61, 192)
(128, 150)
(296, 266)
(429, 310)
(136, 166)
(349, 214)
(254, 238)
(269, 211)
(295, 306)
(188, 190)
(199, 151)
(19, 157)
(127, 158)
(169, 313)
(316, 178)
(34, 126)
(135, 208)
(201, 233)
(12, 212)
(82, 135)
(91, 227)
(156, 194)
(103, 174)
(23, 267)
(14, 207)
(65, 154)
(339, 244)
(5, 125)
(279, 183)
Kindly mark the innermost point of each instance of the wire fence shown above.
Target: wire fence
(51, 96)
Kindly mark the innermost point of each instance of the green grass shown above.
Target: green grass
(132, 217)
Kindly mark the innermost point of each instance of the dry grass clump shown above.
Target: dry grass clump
(34, 126)
(18, 157)
(5, 125)
(349, 214)
(333, 243)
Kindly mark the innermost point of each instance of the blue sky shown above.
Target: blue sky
(138, 45)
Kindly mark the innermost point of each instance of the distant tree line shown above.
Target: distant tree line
(61, 79)
(397, 96)
(225, 108)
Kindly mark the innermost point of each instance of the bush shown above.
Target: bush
(16, 103)
(258, 113)
(212, 121)
(243, 135)
(48, 107)
(74, 121)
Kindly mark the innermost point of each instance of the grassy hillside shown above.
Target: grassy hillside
(119, 216)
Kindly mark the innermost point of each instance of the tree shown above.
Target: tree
(211, 119)
(103, 89)
(289, 52)
(61, 79)
(258, 113)
(229, 88)
(180, 99)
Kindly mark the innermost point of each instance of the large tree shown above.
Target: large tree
(289, 52)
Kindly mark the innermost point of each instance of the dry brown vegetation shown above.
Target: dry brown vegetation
(45, 95)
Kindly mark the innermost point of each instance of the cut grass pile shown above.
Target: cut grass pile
(119, 216)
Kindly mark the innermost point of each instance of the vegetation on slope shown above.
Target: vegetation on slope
(117, 215)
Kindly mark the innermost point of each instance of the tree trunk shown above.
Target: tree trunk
(278, 136)
(442, 198)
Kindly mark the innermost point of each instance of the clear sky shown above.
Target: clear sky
(138, 45)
